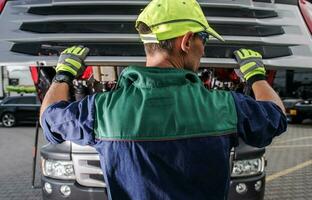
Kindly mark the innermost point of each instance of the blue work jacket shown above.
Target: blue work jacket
(161, 135)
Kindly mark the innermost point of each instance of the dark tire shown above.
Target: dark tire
(8, 120)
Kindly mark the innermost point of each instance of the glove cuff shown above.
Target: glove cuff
(66, 73)
(64, 76)
(257, 77)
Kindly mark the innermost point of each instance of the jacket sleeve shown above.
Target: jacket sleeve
(70, 121)
(258, 122)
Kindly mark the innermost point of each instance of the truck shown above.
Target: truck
(297, 100)
(34, 32)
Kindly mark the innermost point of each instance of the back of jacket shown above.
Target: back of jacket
(162, 135)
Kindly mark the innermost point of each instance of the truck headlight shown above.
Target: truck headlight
(247, 167)
(58, 169)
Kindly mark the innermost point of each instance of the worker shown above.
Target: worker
(160, 133)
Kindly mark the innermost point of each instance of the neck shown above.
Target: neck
(159, 59)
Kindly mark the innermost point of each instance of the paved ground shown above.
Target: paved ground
(16, 164)
(289, 164)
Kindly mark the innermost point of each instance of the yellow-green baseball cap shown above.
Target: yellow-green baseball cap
(173, 18)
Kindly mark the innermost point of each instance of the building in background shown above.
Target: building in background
(3, 81)
(15, 80)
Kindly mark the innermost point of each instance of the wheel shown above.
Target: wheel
(8, 120)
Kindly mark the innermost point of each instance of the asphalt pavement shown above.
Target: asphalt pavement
(16, 164)
(289, 170)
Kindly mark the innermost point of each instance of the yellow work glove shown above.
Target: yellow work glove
(71, 61)
(251, 65)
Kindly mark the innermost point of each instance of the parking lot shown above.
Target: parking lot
(289, 170)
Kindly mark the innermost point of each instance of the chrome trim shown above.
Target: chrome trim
(83, 170)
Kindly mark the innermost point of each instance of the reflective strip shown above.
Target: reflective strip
(64, 67)
(73, 62)
(149, 38)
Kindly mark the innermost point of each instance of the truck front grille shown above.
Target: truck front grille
(37, 31)
(88, 170)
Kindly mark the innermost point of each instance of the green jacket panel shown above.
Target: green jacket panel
(162, 104)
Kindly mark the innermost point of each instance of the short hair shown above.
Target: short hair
(151, 48)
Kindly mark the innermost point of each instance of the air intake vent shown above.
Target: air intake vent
(97, 177)
(87, 10)
(94, 163)
(79, 27)
(135, 9)
(137, 49)
(265, 1)
(87, 170)
(128, 27)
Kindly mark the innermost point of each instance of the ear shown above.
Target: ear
(186, 41)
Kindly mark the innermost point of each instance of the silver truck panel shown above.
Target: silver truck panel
(30, 29)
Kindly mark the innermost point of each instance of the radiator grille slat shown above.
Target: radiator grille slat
(137, 49)
(135, 9)
(128, 27)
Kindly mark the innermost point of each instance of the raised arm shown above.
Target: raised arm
(252, 70)
(57, 92)
(264, 92)
(69, 66)
(63, 120)
(260, 120)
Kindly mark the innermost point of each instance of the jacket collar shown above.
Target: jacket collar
(155, 77)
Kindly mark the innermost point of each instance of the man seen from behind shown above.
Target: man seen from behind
(160, 134)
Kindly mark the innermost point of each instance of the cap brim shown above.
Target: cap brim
(216, 35)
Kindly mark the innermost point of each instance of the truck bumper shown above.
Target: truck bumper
(77, 192)
(251, 192)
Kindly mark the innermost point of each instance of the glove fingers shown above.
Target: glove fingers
(250, 63)
(84, 52)
(254, 54)
(71, 60)
(76, 50)
(245, 53)
(258, 55)
(70, 50)
(65, 51)
(238, 55)
(250, 52)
